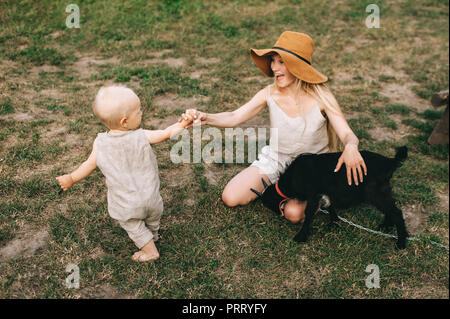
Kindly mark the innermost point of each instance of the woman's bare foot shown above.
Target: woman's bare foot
(147, 253)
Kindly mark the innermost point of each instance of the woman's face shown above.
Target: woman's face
(283, 77)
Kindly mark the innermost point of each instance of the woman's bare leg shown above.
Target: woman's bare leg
(237, 191)
(294, 211)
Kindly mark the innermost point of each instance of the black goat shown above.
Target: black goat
(310, 176)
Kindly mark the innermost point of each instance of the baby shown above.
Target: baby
(125, 157)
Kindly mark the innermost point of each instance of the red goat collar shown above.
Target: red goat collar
(279, 191)
(283, 201)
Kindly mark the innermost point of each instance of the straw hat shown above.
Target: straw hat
(296, 50)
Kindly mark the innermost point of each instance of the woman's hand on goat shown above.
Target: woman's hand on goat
(353, 162)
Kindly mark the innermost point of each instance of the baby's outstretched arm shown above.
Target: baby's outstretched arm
(66, 181)
(158, 136)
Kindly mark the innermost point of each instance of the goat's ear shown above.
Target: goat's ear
(264, 183)
(256, 192)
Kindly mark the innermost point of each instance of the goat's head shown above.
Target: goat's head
(270, 197)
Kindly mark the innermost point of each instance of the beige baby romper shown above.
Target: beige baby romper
(131, 170)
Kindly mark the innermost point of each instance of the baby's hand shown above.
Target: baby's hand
(186, 119)
(65, 181)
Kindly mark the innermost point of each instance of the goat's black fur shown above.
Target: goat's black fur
(310, 176)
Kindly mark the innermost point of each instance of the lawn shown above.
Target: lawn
(186, 53)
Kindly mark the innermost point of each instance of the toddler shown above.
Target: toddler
(125, 157)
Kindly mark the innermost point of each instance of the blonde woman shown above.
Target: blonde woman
(305, 113)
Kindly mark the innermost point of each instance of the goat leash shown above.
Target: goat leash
(380, 233)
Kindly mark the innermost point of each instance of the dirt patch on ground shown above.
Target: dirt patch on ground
(97, 252)
(210, 174)
(160, 124)
(383, 134)
(156, 58)
(27, 242)
(53, 130)
(175, 63)
(31, 114)
(159, 54)
(21, 117)
(6, 65)
(341, 76)
(173, 101)
(197, 74)
(387, 134)
(428, 290)
(190, 202)
(31, 98)
(402, 94)
(388, 71)
(53, 93)
(316, 275)
(415, 218)
(104, 291)
(86, 66)
(171, 62)
(359, 41)
(443, 201)
(43, 68)
(207, 61)
(180, 176)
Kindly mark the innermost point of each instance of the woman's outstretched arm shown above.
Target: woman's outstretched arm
(234, 118)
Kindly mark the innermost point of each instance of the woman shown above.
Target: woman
(304, 111)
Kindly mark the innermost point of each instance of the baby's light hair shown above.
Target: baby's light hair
(113, 103)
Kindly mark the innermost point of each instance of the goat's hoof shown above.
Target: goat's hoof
(400, 245)
(385, 227)
(334, 219)
(300, 238)
(332, 225)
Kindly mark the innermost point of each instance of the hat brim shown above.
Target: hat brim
(300, 69)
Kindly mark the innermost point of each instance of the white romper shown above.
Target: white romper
(294, 135)
(131, 170)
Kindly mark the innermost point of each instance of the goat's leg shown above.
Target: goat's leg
(333, 216)
(311, 207)
(394, 214)
(399, 222)
(387, 223)
(333, 219)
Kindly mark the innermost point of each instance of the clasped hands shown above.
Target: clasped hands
(198, 118)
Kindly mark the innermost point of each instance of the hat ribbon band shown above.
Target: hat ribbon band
(295, 54)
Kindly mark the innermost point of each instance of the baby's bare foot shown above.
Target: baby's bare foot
(142, 257)
(147, 253)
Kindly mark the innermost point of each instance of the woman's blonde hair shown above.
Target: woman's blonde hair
(322, 93)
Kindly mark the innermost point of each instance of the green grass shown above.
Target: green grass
(6, 107)
(207, 249)
(397, 109)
